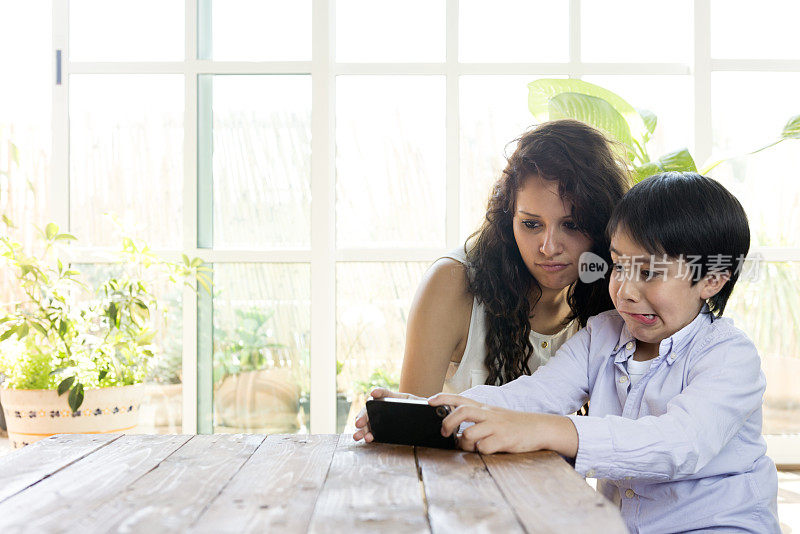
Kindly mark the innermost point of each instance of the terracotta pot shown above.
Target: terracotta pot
(162, 409)
(262, 401)
(34, 414)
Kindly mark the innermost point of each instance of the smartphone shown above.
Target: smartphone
(408, 422)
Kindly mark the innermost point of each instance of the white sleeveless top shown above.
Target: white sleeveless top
(472, 371)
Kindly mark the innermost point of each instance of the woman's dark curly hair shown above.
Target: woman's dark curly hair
(593, 178)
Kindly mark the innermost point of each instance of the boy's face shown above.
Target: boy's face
(655, 295)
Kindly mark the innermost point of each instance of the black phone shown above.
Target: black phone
(408, 422)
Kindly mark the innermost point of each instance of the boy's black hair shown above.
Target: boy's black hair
(684, 214)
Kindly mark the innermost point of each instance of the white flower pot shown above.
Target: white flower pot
(34, 414)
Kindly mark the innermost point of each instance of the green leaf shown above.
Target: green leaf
(645, 171)
(196, 262)
(62, 328)
(541, 91)
(41, 329)
(13, 153)
(8, 333)
(650, 120)
(680, 160)
(65, 385)
(51, 230)
(66, 237)
(22, 330)
(102, 374)
(591, 110)
(186, 260)
(8, 222)
(75, 398)
(792, 128)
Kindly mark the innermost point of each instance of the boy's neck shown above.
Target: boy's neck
(645, 351)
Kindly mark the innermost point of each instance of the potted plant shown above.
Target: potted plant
(550, 99)
(253, 386)
(74, 356)
(343, 403)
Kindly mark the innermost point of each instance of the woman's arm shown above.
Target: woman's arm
(438, 325)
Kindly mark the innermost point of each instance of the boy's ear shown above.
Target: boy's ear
(712, 283)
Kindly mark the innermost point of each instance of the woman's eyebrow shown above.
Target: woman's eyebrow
(529, 214)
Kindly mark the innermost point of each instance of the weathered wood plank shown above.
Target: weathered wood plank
(461, 494)
(27, 466)
(61, 501)
(275, 490)
(371, 487)
(548, 496)
(171, 496)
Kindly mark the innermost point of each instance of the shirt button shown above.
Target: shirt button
(590, 473)
(544, 344)
(623, 379)
(629, 345)
(673, 356)
(629, 493)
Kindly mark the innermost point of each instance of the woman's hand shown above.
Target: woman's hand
(362, 421)
(502, 430)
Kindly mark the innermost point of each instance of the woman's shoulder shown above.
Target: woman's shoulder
(447, 278)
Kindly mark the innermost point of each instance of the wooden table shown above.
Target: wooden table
(288, 483)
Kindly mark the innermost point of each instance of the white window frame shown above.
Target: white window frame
(323, 254)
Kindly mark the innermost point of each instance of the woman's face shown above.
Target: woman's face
(548, 239)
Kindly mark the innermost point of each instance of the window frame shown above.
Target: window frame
(323, 255)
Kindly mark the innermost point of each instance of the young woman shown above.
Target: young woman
(499, 307)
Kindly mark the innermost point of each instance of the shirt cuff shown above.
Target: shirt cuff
(595, 446)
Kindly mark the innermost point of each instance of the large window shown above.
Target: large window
(319, 154)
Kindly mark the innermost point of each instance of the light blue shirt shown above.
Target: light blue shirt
(679, 451)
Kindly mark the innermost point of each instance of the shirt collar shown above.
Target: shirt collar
(673, 344)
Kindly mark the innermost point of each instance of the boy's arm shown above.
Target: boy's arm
(561, 386)
(724, 387)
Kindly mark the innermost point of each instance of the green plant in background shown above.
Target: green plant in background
(550, 99)
(249, 346)
(380, 378)
(53, 339)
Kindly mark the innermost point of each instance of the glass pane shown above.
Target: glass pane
(632, 30)
(262, 322)
(390, 163)
(757, 307)
(749, 110)
(25, 124)
(126, 157)
(511, 31)
(121, 30)
(669, 97)
(742, 29)
(372, 303)
(261, 30)
(262, 161)
(161, 411)
(494, 112)
(383, 31)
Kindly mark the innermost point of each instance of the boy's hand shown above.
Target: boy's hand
(502, 430)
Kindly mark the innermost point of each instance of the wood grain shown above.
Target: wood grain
(461, 494)
(171, 496)
(59, 502)
(548, 496)
(276, 489)
(27, 466)
(371, 487)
